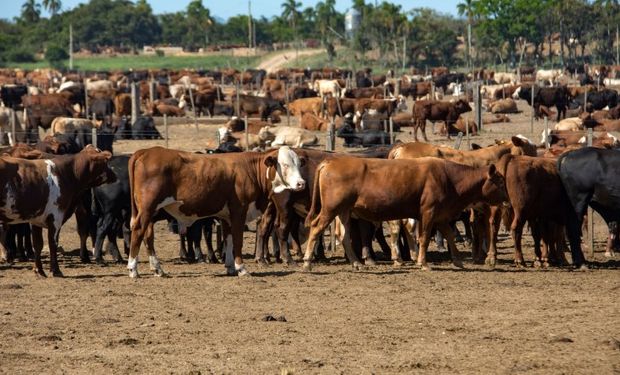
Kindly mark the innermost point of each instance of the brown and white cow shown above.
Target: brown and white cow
(191, 186)
(431, 190)
(45, 194)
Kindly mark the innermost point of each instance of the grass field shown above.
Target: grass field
(149, 62)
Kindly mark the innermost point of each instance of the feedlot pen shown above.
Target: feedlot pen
(333, 320)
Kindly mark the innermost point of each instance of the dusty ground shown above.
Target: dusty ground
(381, 320)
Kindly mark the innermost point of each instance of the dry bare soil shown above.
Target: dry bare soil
(333, 320)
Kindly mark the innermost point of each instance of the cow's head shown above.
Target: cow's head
(462, 106)
(265, 134)
(494, 188)
(286, 175)
(521, 145)
(91, 167)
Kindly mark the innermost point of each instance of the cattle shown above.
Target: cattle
(550, 75)
(386, 106)
(239, 139)
(436, 111)
(299, 92)
(159, 108)
(287, 136)
(501, 77)
(362, 138)
(444, 80)
(305, 105)
(102, 108)
(327, 87)
(460, 127)
(11, 95)
(112, 208)
(264, 107)
(433, 191)
(144, 128)
(545, 96)
(507, 105)
(420, 89)
(590, 177)
(228, 187)
(367, 92)
(537, 196)
(402, 119)
(41, 110)
(312, 122)
(569, 124)
(204, 100)
(45, 193)
(122, 105)
(598, 100)
(235, 124)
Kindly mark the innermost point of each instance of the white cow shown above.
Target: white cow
(287, 136)
(550, 75)
(101, 85)
(501, 77)
(327, 87)
(569, 124)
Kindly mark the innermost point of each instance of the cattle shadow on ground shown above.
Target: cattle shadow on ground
(610, 264)
(273, 273)
(94, 277)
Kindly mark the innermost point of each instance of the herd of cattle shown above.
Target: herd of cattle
(265, 172)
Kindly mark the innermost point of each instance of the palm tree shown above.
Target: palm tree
(467, 7)
(290, 12)
(31, 11)
(53, 6)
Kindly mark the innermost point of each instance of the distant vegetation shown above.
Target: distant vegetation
(503, 32)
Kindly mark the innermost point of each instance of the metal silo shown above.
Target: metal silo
(352, 20)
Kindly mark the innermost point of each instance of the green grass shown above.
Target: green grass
(124, 62)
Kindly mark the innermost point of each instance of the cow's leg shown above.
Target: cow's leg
(194, 235)
(425, 228)
(263, 230)
(347, 242)
(488, 220)
(282, 231)
(416, 126)
(236, 231)
(5, 252)
(149, 241)
(380, 237)
(37, 242)
(423, 128)
(367, 233)
(394, 226)
(516, 230)
(113, 247)
(104, 227)
(611, 238)
(138, 225)
(537, 230)
(52, 240)
(83, 223)
(318, 225)
(208, 235)
(446, 229)
(410, 227)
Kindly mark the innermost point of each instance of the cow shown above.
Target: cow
(159, 108)
(362, 138)
(235, 124)
(507, 105)
(327, 87)
(144, 128)
(386, 106)
(536, 195)
(80, 132)
(264, 107)
(444, 80)
(101, 85)
(287, 136)
(11, 95)
(569, 124)
(501, 77)
(433, 111)
(102, 108)
(306, 105)
(460, 127)
(240, 139)
(45, 193)
(5, 127)
(41, 110)
(228, 187)
(312, 122)
(598, 100)
(122, 105)
(431, 190)
(590, 177)
(550, 75)
(545, 96)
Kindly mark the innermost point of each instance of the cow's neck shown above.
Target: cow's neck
(491, 154)
(467, 181)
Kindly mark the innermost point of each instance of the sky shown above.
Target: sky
(228, 8)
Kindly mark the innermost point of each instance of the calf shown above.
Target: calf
(45, 193)
(287, 136)
(431, 190)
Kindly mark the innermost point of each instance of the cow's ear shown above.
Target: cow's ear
(492, 170)
(475, 146)
(271, 161)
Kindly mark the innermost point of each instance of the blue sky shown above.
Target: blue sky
(227, 8)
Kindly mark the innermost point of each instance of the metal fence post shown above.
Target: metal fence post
(12, 136)
(247, 135)
(459, 139)
(467, 133)
(286, 98)
(135, 102)
(93, 132)
(330, 146)
(590, 211)
(547, 132)
(166, 128)
(392, 131)
(532, 106)
(478, 106)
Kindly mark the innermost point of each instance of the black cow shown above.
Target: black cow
(591, 176)
(144, 128)
(11, 95)
(547, 96)
(102, 108)
(364, 138)
(598, 100)
(302, 92)
(445, 79)
(112, 208)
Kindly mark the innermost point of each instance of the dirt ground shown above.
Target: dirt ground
(334, 320)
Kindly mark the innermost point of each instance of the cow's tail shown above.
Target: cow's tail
(134, 208)
(315, 207)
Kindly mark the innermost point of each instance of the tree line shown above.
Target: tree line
(501, 31)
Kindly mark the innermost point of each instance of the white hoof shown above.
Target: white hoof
(307, 266)
(134, 274)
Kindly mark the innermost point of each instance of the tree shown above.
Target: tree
(199, 21)
(53, 6)
(467, 8)
(31, 11)
(290, 13)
